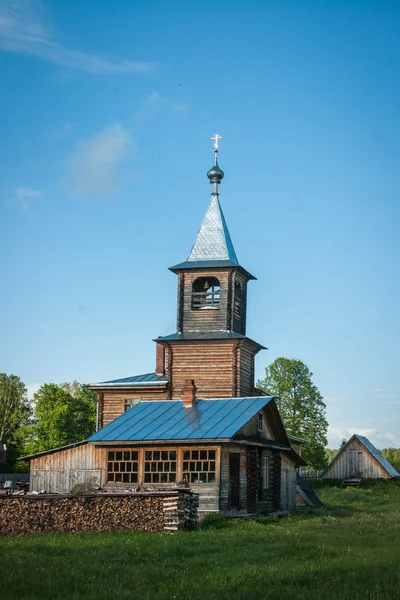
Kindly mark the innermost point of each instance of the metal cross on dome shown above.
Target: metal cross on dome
(216, 138)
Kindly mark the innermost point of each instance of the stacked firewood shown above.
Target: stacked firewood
(155, 511)
(180, 511)
(25, 514)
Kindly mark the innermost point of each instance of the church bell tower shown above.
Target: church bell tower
(210, 345)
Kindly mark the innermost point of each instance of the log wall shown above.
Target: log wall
(355, 461)
(210, 363)
(112, 401)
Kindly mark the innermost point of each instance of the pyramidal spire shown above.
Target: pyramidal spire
(213, 242)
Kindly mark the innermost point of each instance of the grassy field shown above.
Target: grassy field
(350, 549)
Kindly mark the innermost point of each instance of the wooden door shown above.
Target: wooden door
(234, 479)
(355, 463)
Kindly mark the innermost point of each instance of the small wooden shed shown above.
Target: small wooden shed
(359, 459)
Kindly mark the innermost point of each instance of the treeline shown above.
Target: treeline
(58, 415)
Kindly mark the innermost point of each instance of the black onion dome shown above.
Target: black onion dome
(215, 174)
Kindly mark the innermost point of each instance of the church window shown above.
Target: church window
(122, 466)
(129, 402)
(206, 293)
(160, 466)
(199, 466)
(238, 299)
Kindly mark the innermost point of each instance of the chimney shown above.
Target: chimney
(160, 359)
(189, 393)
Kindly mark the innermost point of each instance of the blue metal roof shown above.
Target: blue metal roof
(147, 379)
(170, 420)
(376, 454)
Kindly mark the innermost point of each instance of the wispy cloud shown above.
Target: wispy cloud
(23, 198)
(23, 29)
(156, 103)
(98, 163)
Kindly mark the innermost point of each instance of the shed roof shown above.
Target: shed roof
(170, 420)
(379, 457)
(205, 335)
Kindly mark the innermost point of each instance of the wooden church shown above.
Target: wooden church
(198, 418)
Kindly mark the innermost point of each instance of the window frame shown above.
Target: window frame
(161, 448)
(265, 473)
(211, 294)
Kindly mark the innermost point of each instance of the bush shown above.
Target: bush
(213, 521)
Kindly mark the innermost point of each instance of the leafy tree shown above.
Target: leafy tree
(62, 415)
(330, 454)
(393, 456)
(14, 415)
(300, 404)
(343, 443)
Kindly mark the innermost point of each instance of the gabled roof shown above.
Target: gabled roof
(213, 242)
(149, 379)
(170, 420)
(376, 454)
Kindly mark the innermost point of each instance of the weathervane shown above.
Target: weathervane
(216, 138)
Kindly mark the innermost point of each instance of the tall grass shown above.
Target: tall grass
(348, 549)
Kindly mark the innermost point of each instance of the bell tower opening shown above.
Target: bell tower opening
(206, 293)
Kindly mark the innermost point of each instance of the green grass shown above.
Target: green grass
(350, 549)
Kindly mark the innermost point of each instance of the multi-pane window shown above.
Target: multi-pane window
(160, 466)
(122, 466)
(265, 472)
(199, 466)
(129, 402)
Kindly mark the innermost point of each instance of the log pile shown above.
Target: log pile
(180, 511)
(141, 511)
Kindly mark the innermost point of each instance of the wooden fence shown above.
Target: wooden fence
(310, 473)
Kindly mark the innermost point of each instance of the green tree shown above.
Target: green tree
(300, 404)
(14, 415)
(62, 415)
(343, 443)
(393, 456)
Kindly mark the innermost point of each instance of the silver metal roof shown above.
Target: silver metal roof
(213, 241)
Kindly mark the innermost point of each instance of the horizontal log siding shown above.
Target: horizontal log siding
(60, 471)
(209, 363)
(340, 468)
(112, 403)
(203, 319)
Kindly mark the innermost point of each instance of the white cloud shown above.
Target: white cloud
(23, 197)
(380, 440)
(32, 389)
(97, 164)
(23, 29)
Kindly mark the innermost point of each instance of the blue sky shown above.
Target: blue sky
(106, 112)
